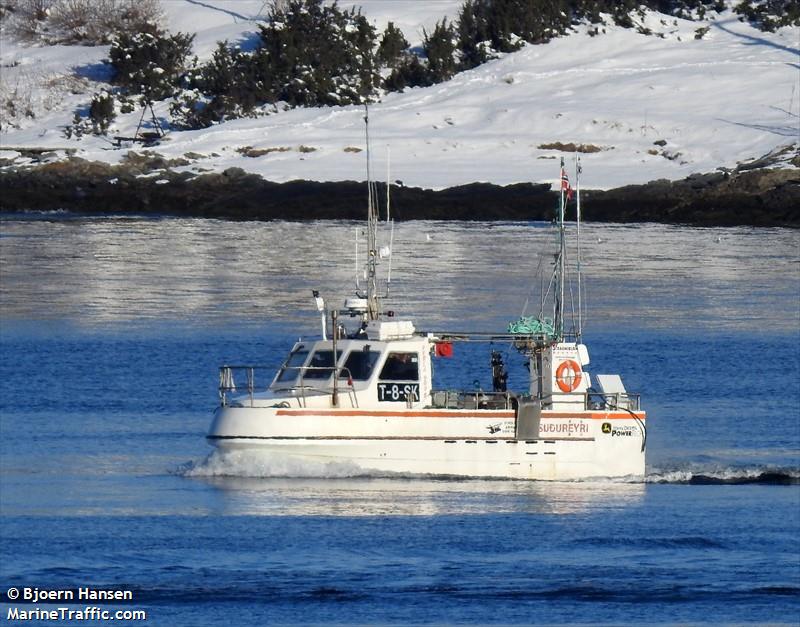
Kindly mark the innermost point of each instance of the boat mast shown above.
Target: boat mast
(373, 302)
(558, 305)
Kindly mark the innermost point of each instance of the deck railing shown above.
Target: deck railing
(251, 380)
(459, 399)
(599, 400)
(248, 381)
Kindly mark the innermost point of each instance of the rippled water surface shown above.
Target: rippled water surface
(99, 272)
(112, 330)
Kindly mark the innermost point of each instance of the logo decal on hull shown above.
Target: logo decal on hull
(626, 431)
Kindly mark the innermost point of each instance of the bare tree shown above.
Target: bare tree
(82, 21)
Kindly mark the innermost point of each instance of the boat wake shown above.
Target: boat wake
(253, 464)
(699, 474)
(256, 465)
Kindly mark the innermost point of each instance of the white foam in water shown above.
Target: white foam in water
(699, 473)
(255, 464)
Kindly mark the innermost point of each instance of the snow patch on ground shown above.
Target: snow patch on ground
(660, 106)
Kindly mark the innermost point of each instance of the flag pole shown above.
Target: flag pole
(578, 238)
(558, 316)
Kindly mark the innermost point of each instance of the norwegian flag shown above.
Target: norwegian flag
(565, 186)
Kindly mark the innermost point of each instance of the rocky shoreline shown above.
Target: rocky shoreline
(746, 197)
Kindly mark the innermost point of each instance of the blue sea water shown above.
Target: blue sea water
(112, 330)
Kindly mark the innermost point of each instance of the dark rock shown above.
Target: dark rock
(233, 173)
(766, 197)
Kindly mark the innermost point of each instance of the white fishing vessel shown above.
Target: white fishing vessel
(363, 394)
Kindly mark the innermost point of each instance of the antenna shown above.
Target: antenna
(369, 174)
(391, 256)
(358, 285)
(388, 179)
(373, 305)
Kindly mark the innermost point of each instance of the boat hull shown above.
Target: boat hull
(576, 445)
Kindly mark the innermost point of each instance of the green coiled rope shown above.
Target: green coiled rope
(529, 325)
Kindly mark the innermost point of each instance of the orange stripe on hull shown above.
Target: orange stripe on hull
(596, 415)
(345, 413)
(397, 414)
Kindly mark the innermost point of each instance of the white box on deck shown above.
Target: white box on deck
(609, 384)
(383, 330)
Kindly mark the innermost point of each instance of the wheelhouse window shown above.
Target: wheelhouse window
(321, 365)
(290, 368)
(401, 367)
(359, 365)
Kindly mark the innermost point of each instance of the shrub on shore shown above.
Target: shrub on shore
(87, 22)
(311, 53)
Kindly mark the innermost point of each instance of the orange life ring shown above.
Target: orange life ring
(568, 381)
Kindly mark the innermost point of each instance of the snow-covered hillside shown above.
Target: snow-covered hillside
(659, 106)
